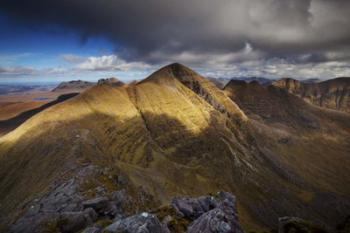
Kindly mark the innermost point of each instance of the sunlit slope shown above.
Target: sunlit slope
(57, 140)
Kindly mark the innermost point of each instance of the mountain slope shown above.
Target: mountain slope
(332, 94)
(11, 123)
(174, 133)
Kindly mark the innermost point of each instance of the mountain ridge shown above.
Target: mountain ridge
(332, 94)
(175, 133)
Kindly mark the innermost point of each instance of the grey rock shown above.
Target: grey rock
(222, 219)
(96, 203)
(142, 223)
(92, 230)
(63, 197)
(120, 197)
(33, 223)
(102, 206)
(192, 208)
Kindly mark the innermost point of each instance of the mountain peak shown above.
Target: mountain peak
(177, 69)
(168, 72)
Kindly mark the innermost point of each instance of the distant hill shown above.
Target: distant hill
(311, 80)
(332, 94)
(261, 80)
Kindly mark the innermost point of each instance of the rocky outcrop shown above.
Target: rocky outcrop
(205, 214)
(192, 208)
(291, 85)
(66, 208)
(110, 81)
(144, 222)
(223, 218)
(332, 94)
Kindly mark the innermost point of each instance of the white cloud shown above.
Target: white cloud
(109, 63)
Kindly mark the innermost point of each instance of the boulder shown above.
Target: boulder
(141, 223)
(120, 198)
(96, 203)
(221, 219)
(192, 208)
(92, 230)
(102, 206)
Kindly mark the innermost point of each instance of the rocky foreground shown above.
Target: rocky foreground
(67, 208)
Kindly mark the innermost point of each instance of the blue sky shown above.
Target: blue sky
(23, 47)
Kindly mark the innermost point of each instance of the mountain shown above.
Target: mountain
(222, 82)
(261, 80)
(174, 134)
(311, 80)
(332, 94)
(219, 82)
(73, 86)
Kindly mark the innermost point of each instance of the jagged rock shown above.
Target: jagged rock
(142, 223)
(192, 208)
(92, 230)
(45, 211)
(120, 197)
(223, 218)
(110, 81)
(102, 206)
(70, 222)
(96, 203)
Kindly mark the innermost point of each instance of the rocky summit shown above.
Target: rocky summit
(175, 153)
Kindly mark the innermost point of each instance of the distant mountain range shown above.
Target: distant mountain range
(221, 82)
(332, 94)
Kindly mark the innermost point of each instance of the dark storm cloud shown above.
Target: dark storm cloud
(193, 30)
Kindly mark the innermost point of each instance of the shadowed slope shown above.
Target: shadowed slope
(310, 141)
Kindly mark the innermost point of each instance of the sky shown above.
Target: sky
(59, 40)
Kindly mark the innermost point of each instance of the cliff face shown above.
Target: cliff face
(175, 133)
(332, 94)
